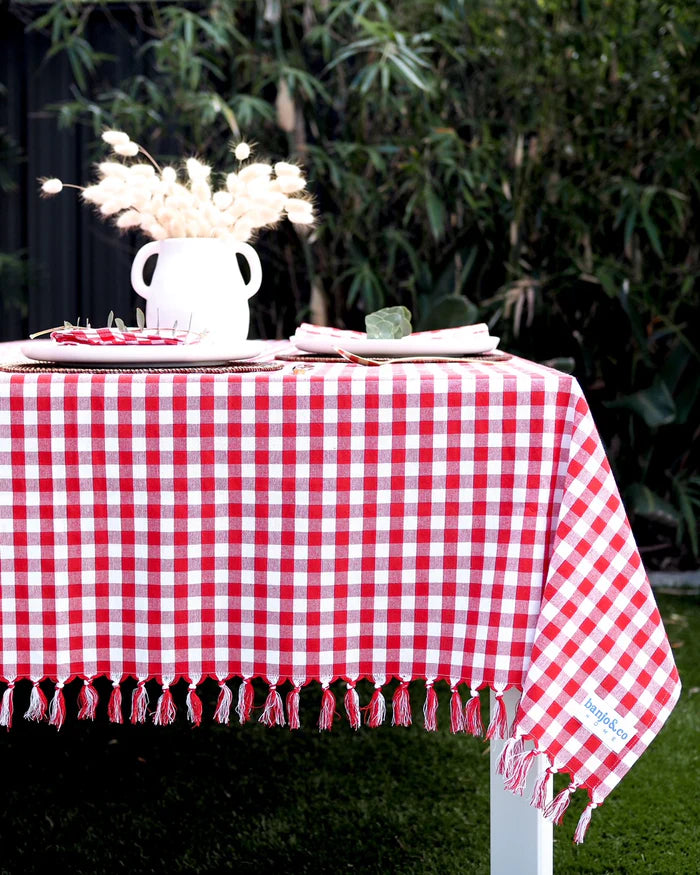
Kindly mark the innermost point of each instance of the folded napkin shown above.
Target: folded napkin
(306, 328)
(114, 337)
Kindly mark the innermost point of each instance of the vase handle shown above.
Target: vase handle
(144, 253)
(251, 256)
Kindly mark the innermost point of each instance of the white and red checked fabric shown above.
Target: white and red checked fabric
(442, 522)
(116, 337)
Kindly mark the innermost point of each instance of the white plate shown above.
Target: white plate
(409, 345)
(187, 354)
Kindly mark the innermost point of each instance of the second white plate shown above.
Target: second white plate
(404, 346)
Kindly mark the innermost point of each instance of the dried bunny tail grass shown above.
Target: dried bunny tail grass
(197, 171)
(290, 184)
(126, 150)
(116, 138)
(109, 208)
(168, 175)
(201, 191)
(222, 200)
(254, 171)
(233, 183)
(113, 168)
(242, 151)
(283, 168)
(129, 219)
(141, 170)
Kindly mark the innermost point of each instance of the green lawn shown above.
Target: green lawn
(99, 798)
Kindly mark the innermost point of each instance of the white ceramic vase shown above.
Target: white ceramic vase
(198, 284)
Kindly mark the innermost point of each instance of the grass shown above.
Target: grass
(99, 798)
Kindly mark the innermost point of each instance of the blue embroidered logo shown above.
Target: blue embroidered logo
(603, 721)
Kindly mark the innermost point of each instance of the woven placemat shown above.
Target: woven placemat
(470, 357)
(48, 368)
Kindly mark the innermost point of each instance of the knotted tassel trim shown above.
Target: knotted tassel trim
(194, 706)
(87, 701)
(376, 710)
(57, 708)
(165, 709)
(457, 721)
(540, 792)
(510, 750)
(401, 706)
(352, 706)
(245, 700)
(273, 711)
(114, 706)
(430, 708)
(37, 704)
(556, 808)
(293, 707)
(222, 714)
(520, 767)
(498, 727)
(139, 703)
(584, 822)
(325, 719)
(7, 706)
(472, 715)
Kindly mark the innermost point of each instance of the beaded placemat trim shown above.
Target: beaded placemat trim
(43, 368)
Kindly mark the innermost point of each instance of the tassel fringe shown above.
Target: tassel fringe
(352, 707)
(430, 709)
(139, 703)
(57, 708)
(165, 709)
(472, 715)
(557, 807)
(511, 749)
(37, 704)
(457, 720)
(520, 766)
(498, 727)
(7, 706)
(273, 712)
(401, 706)
(540, 791)
(222, 714)
(245, 701)
(325, 719)
(114, 706)
(376, 710)
(293, 707)
(87, 701)
(584, 822)
(194, 706)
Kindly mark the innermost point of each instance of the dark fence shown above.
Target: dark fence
(72, 263)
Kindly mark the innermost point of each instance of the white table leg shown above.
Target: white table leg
(521, 839)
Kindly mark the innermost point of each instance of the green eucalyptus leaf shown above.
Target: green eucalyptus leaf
(390, 323)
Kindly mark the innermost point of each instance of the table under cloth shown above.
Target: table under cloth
(449, 522)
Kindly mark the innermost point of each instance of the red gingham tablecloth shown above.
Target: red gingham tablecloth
(441, 522)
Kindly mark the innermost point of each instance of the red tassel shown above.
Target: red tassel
(352, 707)
(540, 792)
(165, 709)
(293, 707)
(556, 808)
(7, 706)
(520, 767)
(37, 704)
(223, 706)
(87, 701)
(584, 822)
(472, 717)
(114, 706)
(511, 749)
(430, 709)
(245, 700)
(273, 712)
(139, 703)
(498, 727)
(194, 706)
(57, 708)
(401, 706)
(325, 719)
(456, 712)
(376, 710)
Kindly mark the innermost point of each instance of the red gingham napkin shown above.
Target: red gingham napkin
(114, 337)
(430, 523)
